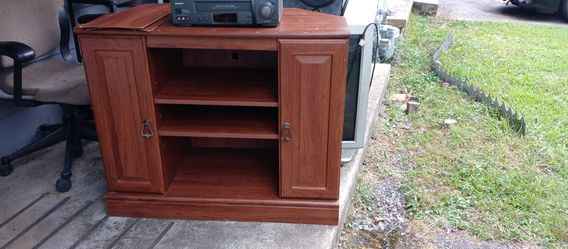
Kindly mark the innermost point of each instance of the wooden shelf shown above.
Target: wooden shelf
(219, 122)
(221, 86)
(227, 174)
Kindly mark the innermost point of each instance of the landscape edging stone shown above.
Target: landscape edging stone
(516, 119)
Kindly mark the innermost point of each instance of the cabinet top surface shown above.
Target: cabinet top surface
(155, 20)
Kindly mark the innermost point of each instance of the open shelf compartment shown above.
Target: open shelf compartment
(227, 174)
(215, 77)
(221, 168)
(221, 86)
(218, 121)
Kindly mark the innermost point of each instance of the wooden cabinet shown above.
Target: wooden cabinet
(121, 94)
(312, 90)
(219, 123)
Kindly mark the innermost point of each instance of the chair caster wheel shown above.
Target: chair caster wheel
(63, 185)
(6, 169)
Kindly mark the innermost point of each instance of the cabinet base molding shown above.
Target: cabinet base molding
(278, 210)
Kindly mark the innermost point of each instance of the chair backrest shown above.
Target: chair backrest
(32, 22)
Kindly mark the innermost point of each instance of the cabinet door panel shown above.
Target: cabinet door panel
(312, 92)
(117, 73)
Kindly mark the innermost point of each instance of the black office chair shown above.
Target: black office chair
(30, 31)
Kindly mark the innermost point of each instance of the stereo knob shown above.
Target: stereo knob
(266, 10)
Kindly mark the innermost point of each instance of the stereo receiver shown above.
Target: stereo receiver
(226, 12)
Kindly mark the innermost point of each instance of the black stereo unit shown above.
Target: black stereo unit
(226, 12)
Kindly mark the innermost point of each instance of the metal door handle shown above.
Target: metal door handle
(286, 132)
(147, 129)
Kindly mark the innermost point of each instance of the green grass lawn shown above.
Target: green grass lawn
(527, 67)
(478, 174)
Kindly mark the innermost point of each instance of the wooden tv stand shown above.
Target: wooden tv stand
(219, 123)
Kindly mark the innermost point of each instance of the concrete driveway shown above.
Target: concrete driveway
(494, 10)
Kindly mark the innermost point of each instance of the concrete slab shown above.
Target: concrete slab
(14, 228)
(56, 220)
(35, 216)
(400, 13)
(77, 228)
(35, 175)
(144, 233)
(106, 233)
(425, 7)
(246, 235)
(31, 208)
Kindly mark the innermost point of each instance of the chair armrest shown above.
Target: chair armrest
(19, 52)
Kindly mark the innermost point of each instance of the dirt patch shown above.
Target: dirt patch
(377, 213)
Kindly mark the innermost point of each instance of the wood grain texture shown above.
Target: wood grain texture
(227, 174)
(240, 185)
(173, 151)
(221, 86)
(208, 209)
(312, 92)
(117, 75)
(163, 65)
(228, 58)
(236, 43)
(138, 18)
(216, 153)
(237, 143)
(220, 122)
(295, 24)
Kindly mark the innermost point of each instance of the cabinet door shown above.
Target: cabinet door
(121, 96)
(312, 96)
